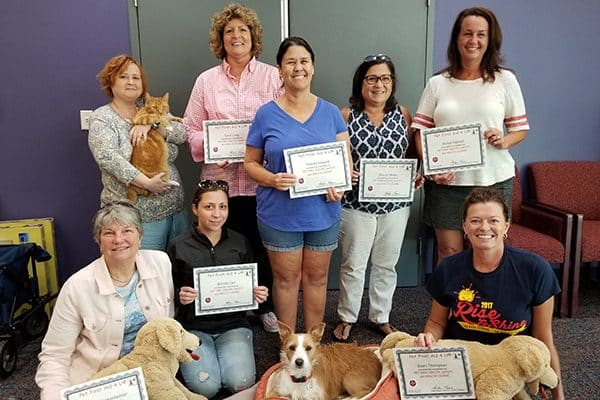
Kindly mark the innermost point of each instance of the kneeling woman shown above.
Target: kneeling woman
(491, 291)
(226, 353)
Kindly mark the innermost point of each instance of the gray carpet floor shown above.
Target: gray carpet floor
(576, 339)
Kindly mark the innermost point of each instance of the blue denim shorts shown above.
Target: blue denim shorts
(276, 240)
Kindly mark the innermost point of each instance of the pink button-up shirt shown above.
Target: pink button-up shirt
(219, 95)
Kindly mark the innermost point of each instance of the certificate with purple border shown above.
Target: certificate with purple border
(453, 148)
(225, 288)
(318, 167)
(440, 373)
(128, 385)
(225, 140)
(387, 179)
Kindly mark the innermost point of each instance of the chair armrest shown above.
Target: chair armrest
(549, 220)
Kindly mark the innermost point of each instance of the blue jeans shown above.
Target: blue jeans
(159, 234)
(226, 360)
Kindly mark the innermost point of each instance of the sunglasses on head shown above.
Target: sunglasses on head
(208, 184)
(377, 57)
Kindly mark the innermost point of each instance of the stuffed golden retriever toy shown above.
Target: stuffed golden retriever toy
(158, 349)
(500, 372)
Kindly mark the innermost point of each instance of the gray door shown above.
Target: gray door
(171, 39)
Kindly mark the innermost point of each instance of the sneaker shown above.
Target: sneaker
(269, 321)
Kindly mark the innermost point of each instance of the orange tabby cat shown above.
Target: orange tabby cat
(150, 156)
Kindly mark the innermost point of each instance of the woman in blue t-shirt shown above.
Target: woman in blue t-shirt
(491, 291)
(301, 233)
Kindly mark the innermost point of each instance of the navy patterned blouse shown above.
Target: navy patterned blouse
(389, 140)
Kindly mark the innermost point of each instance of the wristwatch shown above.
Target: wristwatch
(155, 126)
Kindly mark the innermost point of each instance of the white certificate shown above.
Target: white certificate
(317, 168)
(225, 140)
(387, 180)
(128, 385)
(225, 288)
(453, 148)
(442, 373)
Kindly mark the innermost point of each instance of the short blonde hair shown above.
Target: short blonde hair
(219, 20)
(113, 67)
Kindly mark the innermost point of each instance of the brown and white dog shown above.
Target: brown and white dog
(312, 371)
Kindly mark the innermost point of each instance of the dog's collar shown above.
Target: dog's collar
(301, 379)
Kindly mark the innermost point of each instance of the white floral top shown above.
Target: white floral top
(109, 143)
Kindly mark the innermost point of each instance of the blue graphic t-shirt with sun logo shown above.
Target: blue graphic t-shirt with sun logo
(488, 307)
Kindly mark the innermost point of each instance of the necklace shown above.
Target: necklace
(121, 282)
(122, 114)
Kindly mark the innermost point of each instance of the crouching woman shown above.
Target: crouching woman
(226, 353)
(101, 307)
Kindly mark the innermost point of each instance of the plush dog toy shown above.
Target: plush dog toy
(500, 372)
(158, 348)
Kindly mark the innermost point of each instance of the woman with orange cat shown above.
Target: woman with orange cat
(111, 140)
(235, 90)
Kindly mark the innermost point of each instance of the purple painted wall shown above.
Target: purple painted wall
(50, 53)
(553, 48)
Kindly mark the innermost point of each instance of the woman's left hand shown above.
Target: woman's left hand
(495, 138)
(419, 181)
(138, 133)
(333, 196)
(261, 293)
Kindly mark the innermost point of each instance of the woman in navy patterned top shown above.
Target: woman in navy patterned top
(379, 128)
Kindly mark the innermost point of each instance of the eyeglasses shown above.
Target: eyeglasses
(372, 79)
(377, 57)
(208, 184)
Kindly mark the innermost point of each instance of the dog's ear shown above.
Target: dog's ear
(316, 332)
(170, 336)
(285, 331)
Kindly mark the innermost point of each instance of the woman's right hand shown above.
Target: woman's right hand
(425, 339)
(283, 181)
(187, 295)
(445, 178)
(355, 176)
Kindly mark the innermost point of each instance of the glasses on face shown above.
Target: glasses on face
(208, 184)
(372, 79)
(377, 57)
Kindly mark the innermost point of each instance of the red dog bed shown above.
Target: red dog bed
(386, 389)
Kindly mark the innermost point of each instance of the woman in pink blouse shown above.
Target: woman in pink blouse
(235, 90)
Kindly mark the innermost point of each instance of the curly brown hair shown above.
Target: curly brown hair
(235, 11)
(113, 67)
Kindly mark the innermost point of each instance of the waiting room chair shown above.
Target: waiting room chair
(546, 232)
(572, 186)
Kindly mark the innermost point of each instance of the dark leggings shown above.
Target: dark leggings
(242, 219)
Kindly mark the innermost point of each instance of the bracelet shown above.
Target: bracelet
(155, 126)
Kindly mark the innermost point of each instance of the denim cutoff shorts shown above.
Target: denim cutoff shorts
(276, 240)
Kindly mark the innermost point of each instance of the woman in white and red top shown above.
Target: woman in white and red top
(235, 90)
(473, 88)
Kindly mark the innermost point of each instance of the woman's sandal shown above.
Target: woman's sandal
(386, 328)
(341, 333)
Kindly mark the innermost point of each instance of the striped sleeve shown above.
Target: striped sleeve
(423, 118)
(515, 115)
